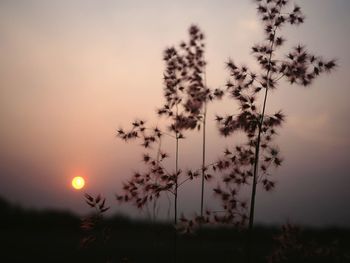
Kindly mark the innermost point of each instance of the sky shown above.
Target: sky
(72, 72)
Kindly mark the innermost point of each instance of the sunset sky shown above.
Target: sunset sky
(72, 72)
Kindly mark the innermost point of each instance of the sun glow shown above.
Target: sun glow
(78, 182)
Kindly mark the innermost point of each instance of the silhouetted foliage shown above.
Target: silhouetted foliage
(249, 163)
(145, 187)
(92, 225)
(186, 96)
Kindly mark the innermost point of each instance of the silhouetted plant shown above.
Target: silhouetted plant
(147, 186)
(186, 96)
(233, 212)
(96, 233)
(249, 163)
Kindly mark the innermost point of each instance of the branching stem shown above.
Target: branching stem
(257, 150)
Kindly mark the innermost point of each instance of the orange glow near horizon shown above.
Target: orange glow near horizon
(78, 182)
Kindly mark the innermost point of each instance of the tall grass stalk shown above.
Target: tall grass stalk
(176, 170)
(257, 148)
(251, 161)
(204, 146)
(203, 156)
(176, 187)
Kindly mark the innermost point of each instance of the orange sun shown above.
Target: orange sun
(78, 182)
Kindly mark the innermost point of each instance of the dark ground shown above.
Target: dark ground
(51, 236)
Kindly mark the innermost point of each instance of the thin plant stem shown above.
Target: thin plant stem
(256, 164)
(257, 147)
(176, 170)
(154, 208)
(176, 179)
(256, 158)
(176, 186)
(203, 150)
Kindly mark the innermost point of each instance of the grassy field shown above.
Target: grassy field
(51, 236)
